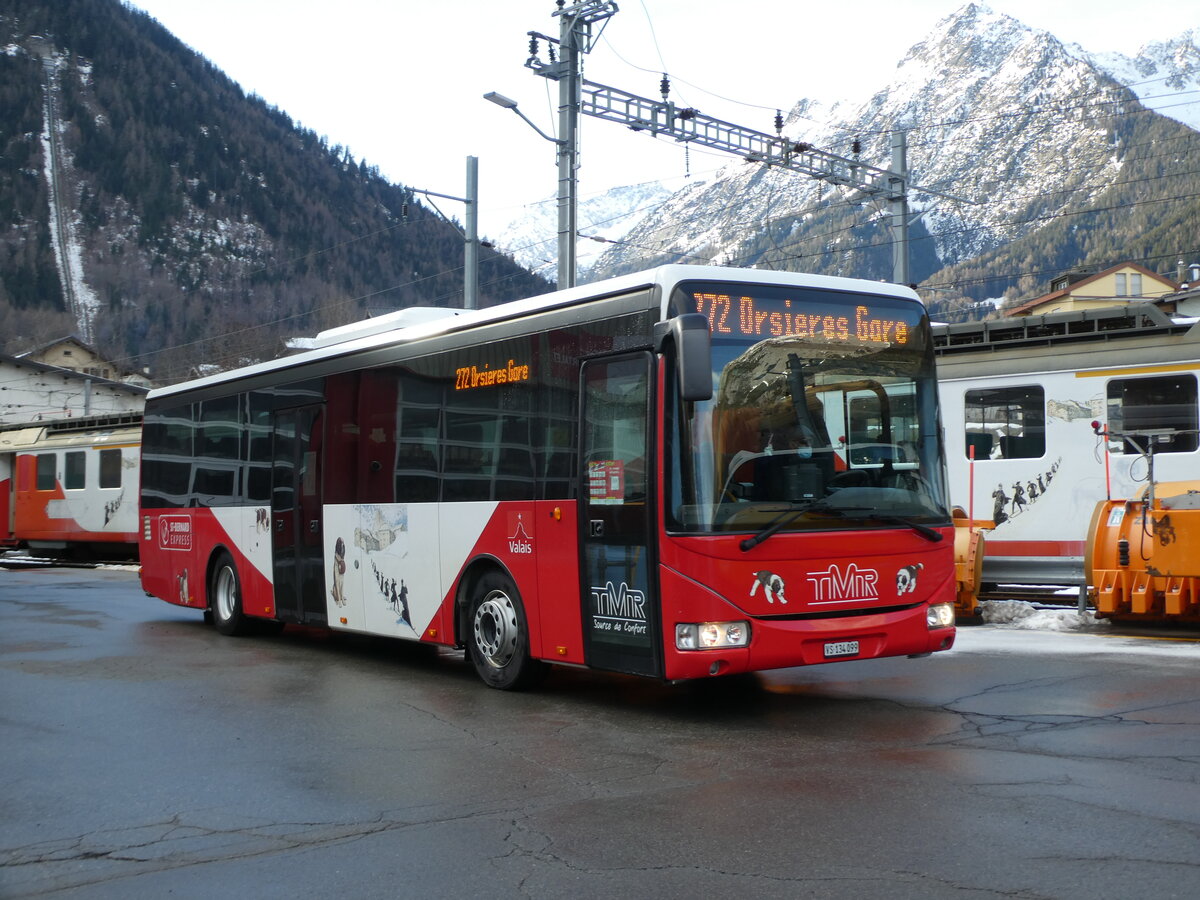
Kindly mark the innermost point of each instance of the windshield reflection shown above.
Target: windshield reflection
(814, 434)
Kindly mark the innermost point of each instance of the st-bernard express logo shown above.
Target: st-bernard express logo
(174, 533)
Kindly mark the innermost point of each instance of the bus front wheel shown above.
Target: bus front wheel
(498, 639)
(225, 597)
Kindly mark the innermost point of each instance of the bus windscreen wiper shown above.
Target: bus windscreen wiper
(789, 515)
(923, 530)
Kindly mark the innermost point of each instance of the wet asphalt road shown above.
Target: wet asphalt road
(147, 756)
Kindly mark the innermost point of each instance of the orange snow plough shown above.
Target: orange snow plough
(1143, 555)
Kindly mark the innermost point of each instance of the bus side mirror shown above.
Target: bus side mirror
(693, 352)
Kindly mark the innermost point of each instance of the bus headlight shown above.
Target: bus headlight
(940, 615)
(711, 635)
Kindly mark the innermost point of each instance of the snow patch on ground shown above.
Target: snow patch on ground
(1019, 614)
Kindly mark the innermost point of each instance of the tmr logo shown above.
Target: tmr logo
(174, 533)
(619, 611)
(619, 603)
(835, 586)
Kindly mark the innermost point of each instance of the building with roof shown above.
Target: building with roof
(73, 354)
(32, 391)
(1076, 290)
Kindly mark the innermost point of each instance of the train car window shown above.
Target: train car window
(1006, 423)
(1160, 409)
(75, 476)
(46, 474)
(110, 468)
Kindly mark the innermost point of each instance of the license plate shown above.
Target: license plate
(841, 648)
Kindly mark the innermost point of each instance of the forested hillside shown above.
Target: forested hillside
(196, 225)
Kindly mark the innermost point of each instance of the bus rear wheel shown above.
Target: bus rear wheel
(498, 642)
(225, 597)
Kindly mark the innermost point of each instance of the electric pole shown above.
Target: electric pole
(686, 125)
(470, 234)
(576, 37)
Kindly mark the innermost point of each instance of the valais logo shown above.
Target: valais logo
(519, 540)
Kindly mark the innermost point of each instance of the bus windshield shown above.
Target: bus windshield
(823, 417)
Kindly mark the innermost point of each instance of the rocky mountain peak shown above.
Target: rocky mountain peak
(1004, 117)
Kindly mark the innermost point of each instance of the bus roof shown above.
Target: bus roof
(394, 328)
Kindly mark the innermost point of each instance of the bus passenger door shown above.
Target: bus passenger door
(621, 620)
(296, 515)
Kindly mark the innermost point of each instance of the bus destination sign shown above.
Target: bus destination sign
(764, 317)
(471, 377)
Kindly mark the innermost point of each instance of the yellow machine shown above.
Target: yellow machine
(1143, 555)
(968, 561)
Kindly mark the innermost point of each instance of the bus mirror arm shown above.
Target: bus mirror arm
(693, 352)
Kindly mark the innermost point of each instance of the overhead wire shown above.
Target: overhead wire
(1048, 110)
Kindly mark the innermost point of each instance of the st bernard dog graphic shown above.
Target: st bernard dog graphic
(771, 584)
(906, 579)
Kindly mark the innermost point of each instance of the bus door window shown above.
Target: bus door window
(621, 622)
(296, 515)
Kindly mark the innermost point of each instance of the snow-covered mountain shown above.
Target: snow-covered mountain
(531, 238)
(1019, 126)
(1165, 75)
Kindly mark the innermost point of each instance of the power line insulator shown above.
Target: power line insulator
(665, 86)
(856, 147)
(778, 122)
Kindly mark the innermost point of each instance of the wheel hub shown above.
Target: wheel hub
(496, 629)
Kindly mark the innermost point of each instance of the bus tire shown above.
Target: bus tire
(498, 635)
(225, 597)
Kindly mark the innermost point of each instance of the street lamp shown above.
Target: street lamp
(508, 103)
(567, 192)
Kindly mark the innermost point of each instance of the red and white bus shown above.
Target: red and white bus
(687, 472)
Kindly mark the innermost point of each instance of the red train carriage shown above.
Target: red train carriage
(70, 487)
